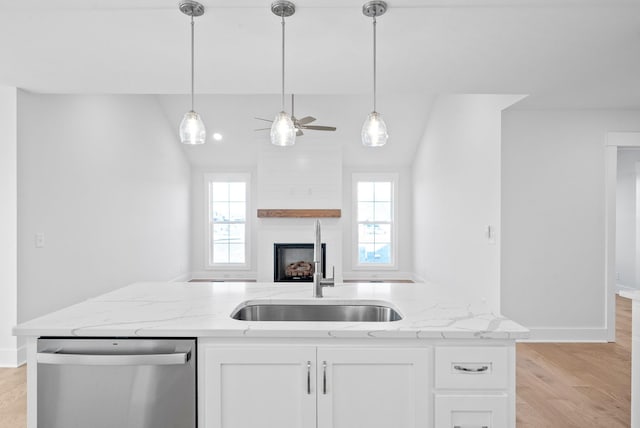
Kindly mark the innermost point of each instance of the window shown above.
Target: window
(227, 218)
(375, 214)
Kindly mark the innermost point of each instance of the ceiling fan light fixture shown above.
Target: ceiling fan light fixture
(374, 130)
(192, 129)
(283, 130)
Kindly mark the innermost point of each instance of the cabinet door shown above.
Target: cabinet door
(257, 387)
(373, 388)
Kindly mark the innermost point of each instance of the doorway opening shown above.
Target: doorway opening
(621, 228)
(627, 216)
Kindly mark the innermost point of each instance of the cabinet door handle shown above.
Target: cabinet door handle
(308, 377)
(324, 378)
(471, 369)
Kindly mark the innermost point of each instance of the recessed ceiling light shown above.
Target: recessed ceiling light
(217, 136)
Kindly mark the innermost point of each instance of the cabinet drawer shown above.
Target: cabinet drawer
(474, 411)
(467, 367)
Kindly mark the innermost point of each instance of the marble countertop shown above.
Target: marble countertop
(203, 310)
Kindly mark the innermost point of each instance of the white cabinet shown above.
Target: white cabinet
(471, 411)
(309, 387)
(373, 388)
(316, 383)
(474, 386)
(257, 387)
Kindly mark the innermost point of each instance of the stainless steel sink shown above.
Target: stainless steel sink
(311, 311)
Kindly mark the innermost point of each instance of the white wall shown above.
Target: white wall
(553, 211)
(8, 226)
(104, 178)
(626, 218)
(456, 195)
(304, 176)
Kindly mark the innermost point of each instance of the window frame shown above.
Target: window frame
(374, 177)
(228, 177)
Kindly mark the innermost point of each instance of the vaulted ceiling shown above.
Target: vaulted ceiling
(562, 53)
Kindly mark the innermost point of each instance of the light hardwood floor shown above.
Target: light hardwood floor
(576, 385)
(559, 385)
(13, 398)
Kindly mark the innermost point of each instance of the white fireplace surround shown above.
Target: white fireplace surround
(296, 231)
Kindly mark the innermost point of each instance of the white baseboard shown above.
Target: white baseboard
(182, 278)
(376, 275)
(577, 335)
(12, 357)
(207, 274)
(418, 279)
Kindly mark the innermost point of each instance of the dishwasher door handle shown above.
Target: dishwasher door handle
(113, 359)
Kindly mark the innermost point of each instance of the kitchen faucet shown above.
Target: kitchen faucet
(318, 281)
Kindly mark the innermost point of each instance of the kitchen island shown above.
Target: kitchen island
(446, 363)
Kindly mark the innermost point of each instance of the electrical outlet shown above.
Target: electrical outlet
(40, 240)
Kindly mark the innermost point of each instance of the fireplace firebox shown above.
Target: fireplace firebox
(294, 262)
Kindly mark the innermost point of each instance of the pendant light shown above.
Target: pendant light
(192, 130)
(374, 130)
(283, 131)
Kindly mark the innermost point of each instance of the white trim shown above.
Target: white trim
(393, 177)
(244, 177)
(569, 335)
(623, 139)
(182, 278)
(32, 382)
(417, 278)
(376, 275)
(611, 180)
(208, 274)
(13, 357)
(613, 141)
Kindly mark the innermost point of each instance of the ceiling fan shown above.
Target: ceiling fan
(300, 124)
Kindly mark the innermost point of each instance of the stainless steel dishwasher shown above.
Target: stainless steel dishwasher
(109, 383)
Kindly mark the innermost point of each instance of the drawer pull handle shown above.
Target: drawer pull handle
(309, 377)
(471, 369)
(468, 426)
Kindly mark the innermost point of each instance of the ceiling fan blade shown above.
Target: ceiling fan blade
(262, 129)
(305, 120)
(319, 128)
(299, 132)
(266, 120)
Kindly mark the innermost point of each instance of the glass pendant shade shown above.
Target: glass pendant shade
(283, 131)
(192, 130)
(374, 131)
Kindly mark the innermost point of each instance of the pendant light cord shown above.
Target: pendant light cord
(192, 62)
(283, 60)
(374, 63)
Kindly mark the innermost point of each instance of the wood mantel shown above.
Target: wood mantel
(299, 213)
